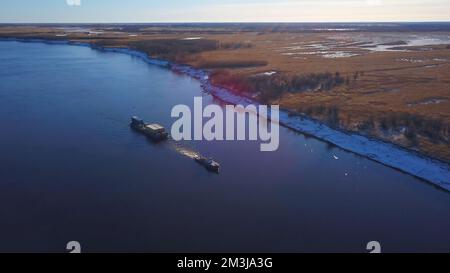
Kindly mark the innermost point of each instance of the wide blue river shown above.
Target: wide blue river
(72, 170)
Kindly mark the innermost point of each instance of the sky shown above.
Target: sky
(147, 11)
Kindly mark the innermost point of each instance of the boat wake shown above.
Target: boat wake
(209, 163)
(184, 151)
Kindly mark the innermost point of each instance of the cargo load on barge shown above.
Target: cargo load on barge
(153, 131)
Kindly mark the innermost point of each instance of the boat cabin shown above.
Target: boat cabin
(137, 121)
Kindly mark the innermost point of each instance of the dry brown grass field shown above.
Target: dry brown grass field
(373, 83)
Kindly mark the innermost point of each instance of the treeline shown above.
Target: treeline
(179, 50)
(174, 49)
(330, 114)
(412, 126)
(272, 87)
(169, 49)
(233, 46)
(415, 125)
(230, 64)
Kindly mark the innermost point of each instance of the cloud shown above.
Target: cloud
(73, 2)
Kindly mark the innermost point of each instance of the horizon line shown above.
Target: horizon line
(231, 22)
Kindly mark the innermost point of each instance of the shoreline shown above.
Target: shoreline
(410, 162)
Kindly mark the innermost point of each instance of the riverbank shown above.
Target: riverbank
(433, 171)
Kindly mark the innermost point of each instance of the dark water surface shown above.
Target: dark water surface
(71, 169)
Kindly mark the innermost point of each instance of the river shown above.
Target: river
(71, 169)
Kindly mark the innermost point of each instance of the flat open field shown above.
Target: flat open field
(389, 82)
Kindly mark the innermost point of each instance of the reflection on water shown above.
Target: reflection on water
(347, 45)
(394, 41)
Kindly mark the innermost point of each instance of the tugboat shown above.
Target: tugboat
(208, 163)
(154, 131)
